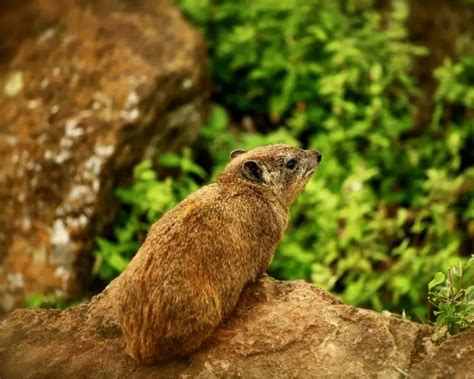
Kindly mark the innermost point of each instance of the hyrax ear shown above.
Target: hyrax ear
(235, 153)
(253, 171)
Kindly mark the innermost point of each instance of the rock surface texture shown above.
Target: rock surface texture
(279, 330)
(87, 88)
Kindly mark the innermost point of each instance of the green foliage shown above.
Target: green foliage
(454, 303)
(306, 60)
(390, 205)
(385, 211)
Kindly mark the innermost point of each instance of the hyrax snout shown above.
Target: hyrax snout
(187, 276)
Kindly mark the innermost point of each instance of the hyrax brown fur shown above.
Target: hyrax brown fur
(188, 274)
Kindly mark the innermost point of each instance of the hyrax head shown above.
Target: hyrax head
(280, 169)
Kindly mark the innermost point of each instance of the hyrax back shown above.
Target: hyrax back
(189, 273)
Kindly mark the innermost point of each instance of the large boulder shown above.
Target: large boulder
(87, 88)
(279, 330)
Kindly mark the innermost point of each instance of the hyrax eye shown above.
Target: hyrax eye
(291, 164)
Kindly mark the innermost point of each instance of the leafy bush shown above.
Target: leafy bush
(389, 207)
(454, 303)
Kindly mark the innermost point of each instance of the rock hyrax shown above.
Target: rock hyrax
(188, 274)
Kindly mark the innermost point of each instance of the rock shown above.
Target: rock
(279, 330)
(87, 88)
(454, 358)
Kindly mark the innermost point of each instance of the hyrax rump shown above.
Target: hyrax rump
(188, 274)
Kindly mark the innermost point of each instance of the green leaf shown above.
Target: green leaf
(117, 262)
(439, 278)
(169, 160)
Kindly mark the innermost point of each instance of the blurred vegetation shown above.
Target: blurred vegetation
(390, 206)
(51, 301)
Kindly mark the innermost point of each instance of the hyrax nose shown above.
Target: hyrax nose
(317, 155)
